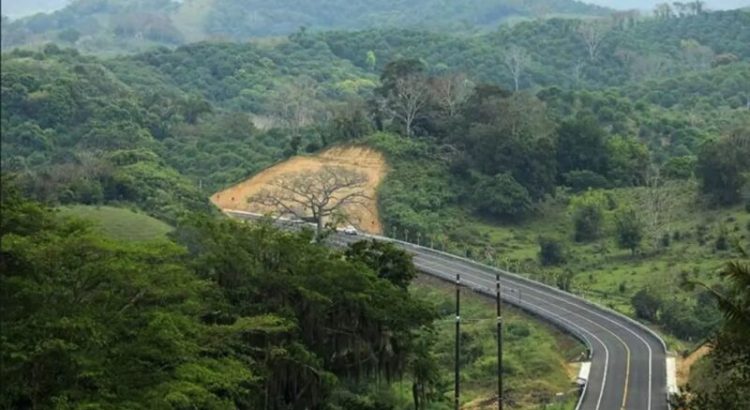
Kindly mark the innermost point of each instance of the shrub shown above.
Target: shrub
(588, 216)
(646, 304)
(551, 252)
(629, 230)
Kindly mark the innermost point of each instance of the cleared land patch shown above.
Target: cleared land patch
(361, 159)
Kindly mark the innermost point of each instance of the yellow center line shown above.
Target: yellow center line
(627, 371)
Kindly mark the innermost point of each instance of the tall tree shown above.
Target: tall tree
(449, 92)
(516, 59)
(408, 99)
(592, 33)
(295, 103)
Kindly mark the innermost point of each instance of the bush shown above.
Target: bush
(551, 252)
(688, 320)
(629, 230)
(646, 304)
(588, 216)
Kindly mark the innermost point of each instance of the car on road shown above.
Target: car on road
(350, 230)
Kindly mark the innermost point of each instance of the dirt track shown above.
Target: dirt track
(370, 162)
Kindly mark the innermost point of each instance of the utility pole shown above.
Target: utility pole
(499, 343)
(457, 386)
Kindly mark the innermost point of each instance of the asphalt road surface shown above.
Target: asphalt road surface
(628, 361)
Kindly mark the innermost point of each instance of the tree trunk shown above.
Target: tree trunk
(318, 227)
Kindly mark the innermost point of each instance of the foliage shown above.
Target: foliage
(384, 258)
(118, 24)
(530, 351)
(721, 165)
(501, 197)
(721, 380)
(629, 229)
(97, 322)
(646, 304)
(588, 215)
(229, 316)
(551, 252)
(582, 147)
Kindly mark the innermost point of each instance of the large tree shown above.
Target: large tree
(318, 196)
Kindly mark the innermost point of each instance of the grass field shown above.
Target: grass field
(536, 356)
(119, 223)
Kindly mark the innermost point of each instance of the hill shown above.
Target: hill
(164, 129)
(127, 25)
(23, 8)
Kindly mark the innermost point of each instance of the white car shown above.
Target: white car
(350, 230)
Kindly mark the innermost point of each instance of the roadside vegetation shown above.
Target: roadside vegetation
(607, 156)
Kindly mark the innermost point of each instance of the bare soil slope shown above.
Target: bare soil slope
(684, 364)
(370, 162)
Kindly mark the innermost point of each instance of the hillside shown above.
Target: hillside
(364, 216)
(126, 25)
(119, 223)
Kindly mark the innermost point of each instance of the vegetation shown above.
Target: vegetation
(97, 321)
(722, 377)
(605, 156)
(115, 25)
(535, 356)
(119, 223)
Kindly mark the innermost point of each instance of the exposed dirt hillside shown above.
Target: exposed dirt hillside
(684, 364)
(370, 162)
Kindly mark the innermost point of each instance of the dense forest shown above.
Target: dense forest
(607, 157)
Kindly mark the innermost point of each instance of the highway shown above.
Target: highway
(628, 361)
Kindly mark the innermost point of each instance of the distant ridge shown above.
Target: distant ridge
(124, 25)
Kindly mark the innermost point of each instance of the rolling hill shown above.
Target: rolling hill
(131, 25)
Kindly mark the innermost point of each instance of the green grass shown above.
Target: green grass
(536, 355)
(119, 223)
(420, 194)
(604, 272)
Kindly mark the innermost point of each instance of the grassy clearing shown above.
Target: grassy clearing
(536, 356)
(119, 223)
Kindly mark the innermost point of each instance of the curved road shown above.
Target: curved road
(628, 361)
